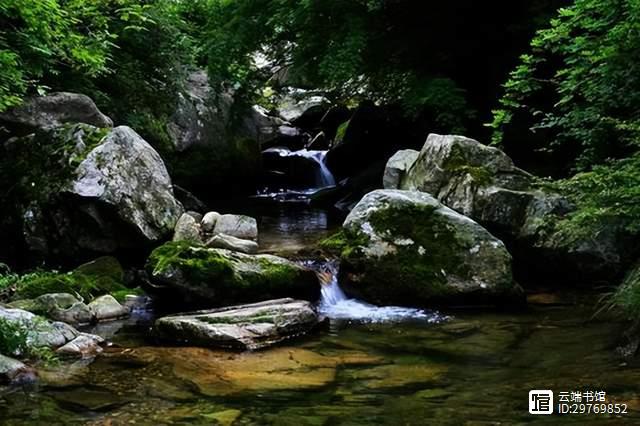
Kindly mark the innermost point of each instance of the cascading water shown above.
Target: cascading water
(324, 177)
(336, 305)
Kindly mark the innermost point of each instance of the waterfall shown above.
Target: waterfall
(335, 304)
(324, 177)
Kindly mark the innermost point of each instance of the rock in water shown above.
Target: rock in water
(51, 111)
(405, 248)
(221, 277)
(397, 167)
(84, 346)
(107, 308)
(238, 226)
(254, 326)
(13, 371)
(228, 242)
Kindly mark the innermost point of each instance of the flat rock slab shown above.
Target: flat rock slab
(244, 327)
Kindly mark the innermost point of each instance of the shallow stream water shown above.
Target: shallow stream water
(473, 368)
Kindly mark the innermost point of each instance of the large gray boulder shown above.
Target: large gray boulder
(404, 247)
(208, 276)
(92, 190)
(51, 111)
(476, 180)
(244, 327)
(483, 183)
(125, 172)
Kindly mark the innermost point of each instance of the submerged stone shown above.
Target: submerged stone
(254, 326)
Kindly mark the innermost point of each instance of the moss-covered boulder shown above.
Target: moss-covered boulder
(207, 276)
(401, 247)
(531, 215)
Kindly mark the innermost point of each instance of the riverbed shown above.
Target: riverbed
(458, 367)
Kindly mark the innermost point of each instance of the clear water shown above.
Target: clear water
(475, 369)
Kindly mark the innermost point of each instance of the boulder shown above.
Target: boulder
(59, 307)
(187, 229)
(13, 371)
(106, 308)
(221, 277)
(302, 108)
(87, 191)
(244, 327)
(216, 142)
(397, 167)
(483, 183)
(238, 226)
(84, 346)
(39, 332)
(406, 248)
(125, 172)
(51, 111)
(228, 242)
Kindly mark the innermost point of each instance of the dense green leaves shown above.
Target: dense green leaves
(580, 85)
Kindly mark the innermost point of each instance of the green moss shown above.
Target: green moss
(459, 164)
(121, 295)
(228, 277)
(102, 276)
(277, 274)
(344, 243)
(406, 274)
(627, 297)
(341, 131)
(106, 267)
(196, 262)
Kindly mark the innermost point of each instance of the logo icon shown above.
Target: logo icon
(541, 402)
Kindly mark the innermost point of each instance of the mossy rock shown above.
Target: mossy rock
(219, 277)
(401, 247)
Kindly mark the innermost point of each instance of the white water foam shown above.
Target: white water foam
(324, 177)
(335, 304)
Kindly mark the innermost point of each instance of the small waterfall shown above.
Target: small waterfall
(324, 177)
(336, 305)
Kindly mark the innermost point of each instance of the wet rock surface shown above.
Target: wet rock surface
(254, 326)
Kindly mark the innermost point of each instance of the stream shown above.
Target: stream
(369, 366)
